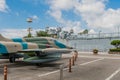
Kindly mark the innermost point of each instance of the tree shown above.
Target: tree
(71, 31)
(116, 43)
(80, 33)
(42, 34)
(47, 29)
(59, 29)
(29, 35)
(85, 31)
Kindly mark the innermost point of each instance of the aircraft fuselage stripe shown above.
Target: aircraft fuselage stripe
(60, 45)
(3, 49)
(17, 40)
(24, 45)
(21, 41)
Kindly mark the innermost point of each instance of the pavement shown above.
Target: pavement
(87, 67)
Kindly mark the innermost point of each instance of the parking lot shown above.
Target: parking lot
(87, 67)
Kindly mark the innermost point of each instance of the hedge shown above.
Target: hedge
(114, 50)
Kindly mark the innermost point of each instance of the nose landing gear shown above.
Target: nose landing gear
(12, 59)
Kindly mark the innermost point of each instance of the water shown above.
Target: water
(103, 45)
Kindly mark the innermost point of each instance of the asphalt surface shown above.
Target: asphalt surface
(87, 67)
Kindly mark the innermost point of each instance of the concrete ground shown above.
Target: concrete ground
(87, 67)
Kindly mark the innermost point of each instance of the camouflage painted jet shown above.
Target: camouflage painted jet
(33, 50)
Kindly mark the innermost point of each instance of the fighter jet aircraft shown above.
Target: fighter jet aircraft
(33, 50)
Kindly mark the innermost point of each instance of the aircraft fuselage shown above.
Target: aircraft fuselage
(14, 47)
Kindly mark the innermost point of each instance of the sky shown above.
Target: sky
(94, 15)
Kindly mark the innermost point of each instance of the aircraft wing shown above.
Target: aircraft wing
(48, 50)
(44, 55)
(37, 59)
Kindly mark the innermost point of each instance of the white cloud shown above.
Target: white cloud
(57, 15)
(91, 6)
(61, 4)
(109, 19)
(91, 31)
(35, 17)
(12, 33)
(72, 25)
(93, 12)
(56, 8)
(3, 6)
(96, 16)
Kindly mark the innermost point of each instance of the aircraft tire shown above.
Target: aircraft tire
(12, 59)
(38, 64)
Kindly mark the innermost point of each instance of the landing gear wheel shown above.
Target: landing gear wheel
(38, 64)
(12, 59)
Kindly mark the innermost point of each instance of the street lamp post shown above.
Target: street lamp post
(29, 20)
(29, 30)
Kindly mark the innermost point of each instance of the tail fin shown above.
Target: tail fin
(3, 38)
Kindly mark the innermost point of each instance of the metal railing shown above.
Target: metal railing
(96, 36)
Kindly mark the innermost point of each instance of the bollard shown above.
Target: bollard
(61, 72)
(5, 72)
(70, 65)
(73, 61)
(75, 56)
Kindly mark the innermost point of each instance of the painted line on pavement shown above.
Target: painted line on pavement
(68, 68)
(48, 73)
(113, 74)
(91, 61)
(100, 57)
